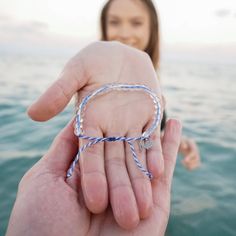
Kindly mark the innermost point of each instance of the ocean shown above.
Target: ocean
(201, 94)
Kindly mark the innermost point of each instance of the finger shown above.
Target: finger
(192, 153)
(194, 149)
(121, 194)
(184, 144)
(93, 177)
(155, 160)
(60, 92)
(75, 180)
(140, 182)
(163, 102)
(191, 157)
(191, 165)
(170, 147)
(62, 151)
(191, 161)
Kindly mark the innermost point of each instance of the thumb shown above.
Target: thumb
(58, 95)
(62, 151)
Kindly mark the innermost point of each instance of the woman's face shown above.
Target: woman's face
(128, 22)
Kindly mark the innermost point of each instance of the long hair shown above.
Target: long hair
(153, 48)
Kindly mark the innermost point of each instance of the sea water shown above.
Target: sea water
(202, 95)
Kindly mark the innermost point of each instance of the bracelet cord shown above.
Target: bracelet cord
(145, 137)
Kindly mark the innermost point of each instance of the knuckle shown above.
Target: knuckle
(169, 159)
(115, 161)
(65, 141)
(140, 178)
(173, 143)
(123, 186)
(94, 173)
(94, 150)
(25, 179)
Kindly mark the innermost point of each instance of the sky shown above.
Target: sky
(61, 24)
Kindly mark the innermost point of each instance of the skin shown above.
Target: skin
(128, 22)
(108, 172)
(191, 158)
(48, 204)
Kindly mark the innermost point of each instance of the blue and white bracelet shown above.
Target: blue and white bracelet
(144, 139)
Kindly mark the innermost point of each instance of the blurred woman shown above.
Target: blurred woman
(135, 23)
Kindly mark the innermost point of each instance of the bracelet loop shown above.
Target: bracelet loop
(144, 139)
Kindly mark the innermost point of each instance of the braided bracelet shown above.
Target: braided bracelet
(144, 139)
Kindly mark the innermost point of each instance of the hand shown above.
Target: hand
(191, 158)
(113, 114)
(48, 204)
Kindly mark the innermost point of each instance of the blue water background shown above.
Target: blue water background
(202, 95)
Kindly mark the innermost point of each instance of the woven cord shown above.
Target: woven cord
(95, 140)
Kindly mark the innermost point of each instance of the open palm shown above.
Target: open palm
(107, 169)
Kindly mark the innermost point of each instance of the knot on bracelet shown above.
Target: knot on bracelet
(111, 139)
(95, 140)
